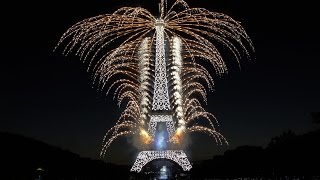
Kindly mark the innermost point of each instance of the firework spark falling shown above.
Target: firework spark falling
(191, 35)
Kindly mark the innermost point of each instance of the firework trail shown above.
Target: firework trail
(129, 69)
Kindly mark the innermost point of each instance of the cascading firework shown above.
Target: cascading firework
(129, 69)
(177, 92)
(144, 54)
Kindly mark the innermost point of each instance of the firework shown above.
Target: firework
(191, 35)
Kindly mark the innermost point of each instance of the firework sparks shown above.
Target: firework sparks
(192, 34)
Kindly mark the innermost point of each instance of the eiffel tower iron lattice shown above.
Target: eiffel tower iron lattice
(161, 102)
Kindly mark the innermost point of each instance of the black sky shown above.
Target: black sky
(50, 97)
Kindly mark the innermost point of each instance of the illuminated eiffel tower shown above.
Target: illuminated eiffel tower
(161, 107)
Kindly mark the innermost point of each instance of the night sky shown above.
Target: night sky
(49, 97)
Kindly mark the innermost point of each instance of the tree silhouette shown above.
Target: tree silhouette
(315, 117)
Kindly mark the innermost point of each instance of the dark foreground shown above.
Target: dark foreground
(287, 156)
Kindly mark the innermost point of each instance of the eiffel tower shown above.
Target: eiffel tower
(161, 109)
